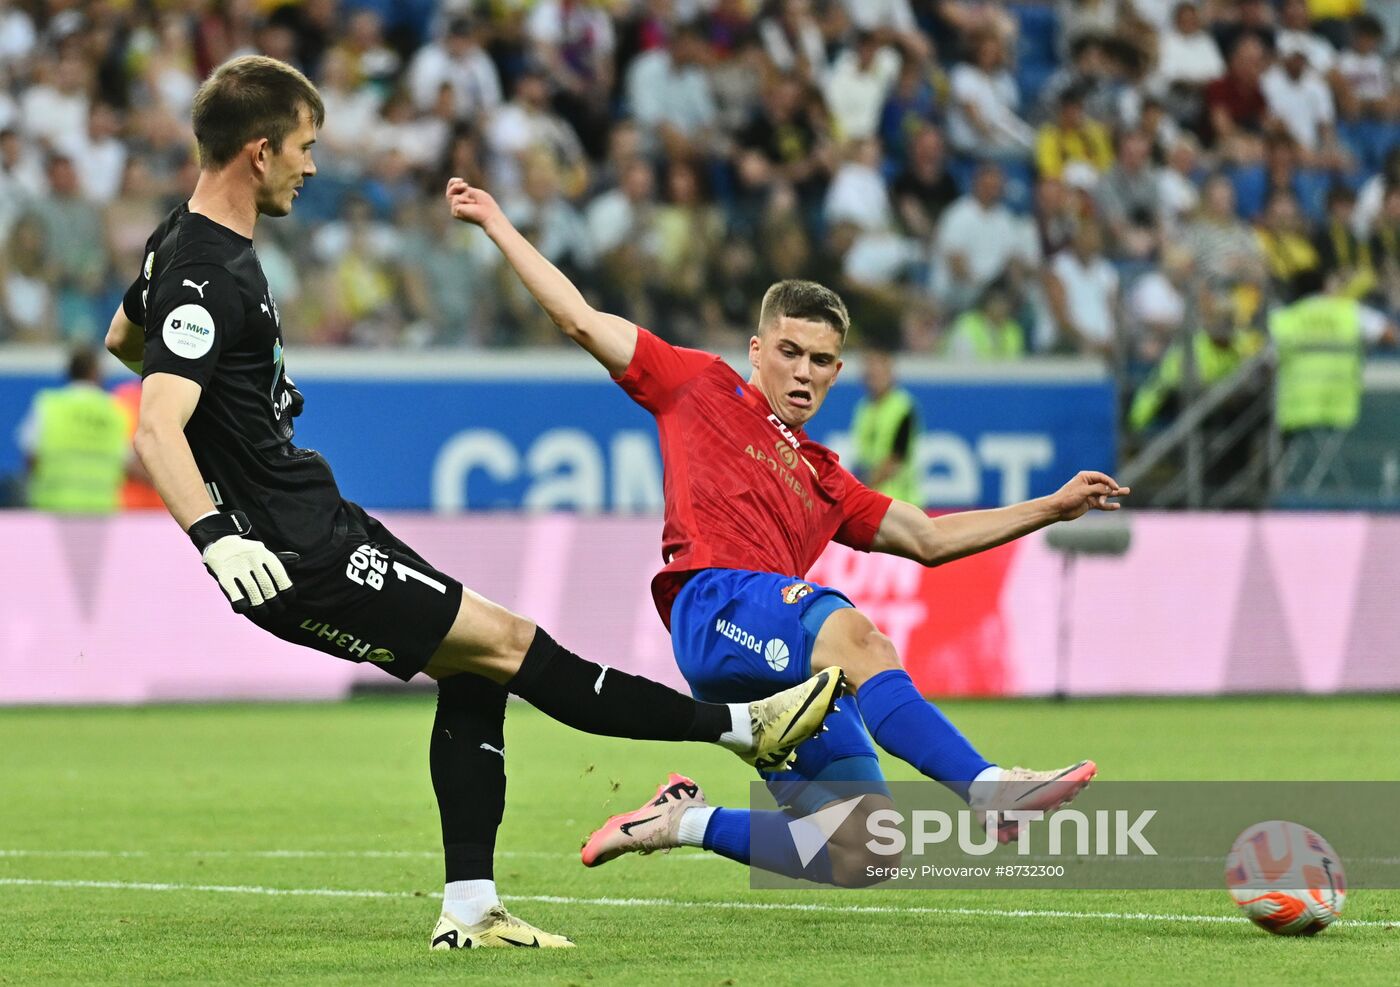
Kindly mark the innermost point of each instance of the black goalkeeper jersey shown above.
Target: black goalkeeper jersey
(209, 317)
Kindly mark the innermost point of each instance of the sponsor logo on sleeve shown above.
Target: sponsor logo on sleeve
(150, 265)
(188, 331)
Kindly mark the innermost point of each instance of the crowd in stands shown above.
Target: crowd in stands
(984, 180)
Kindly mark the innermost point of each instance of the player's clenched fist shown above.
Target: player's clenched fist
(1090, 490)
(470, 204)
(251, 576)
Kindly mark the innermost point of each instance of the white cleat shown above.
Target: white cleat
(783, 721)
(1024, 789)
(499, 929)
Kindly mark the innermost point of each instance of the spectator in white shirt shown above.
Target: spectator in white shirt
(1081, 291)
(1301, 101)
(1365, 88)
(793, 41)
(859, 83)
(858, 193)
(1157, 304)
(1296, 32)
(99, 154)
(891, 20)
(352, 111)
(457, 61)
(622, 217)
(55, 109)
(1370, 198)
(22, 179)
(982, 119)
(978, 240)
(1179, 194)
(669, 95)
(527, 124)
(1187, 54)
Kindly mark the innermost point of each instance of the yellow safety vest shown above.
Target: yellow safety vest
(989, 341)
(1213, 363)
(1318, 341)
(80, 452)
(876, 425)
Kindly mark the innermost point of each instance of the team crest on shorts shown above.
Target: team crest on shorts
(795, 592)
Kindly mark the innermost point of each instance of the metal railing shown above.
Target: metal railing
(1189, 463)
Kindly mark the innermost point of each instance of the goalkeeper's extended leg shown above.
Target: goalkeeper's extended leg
(488, 640)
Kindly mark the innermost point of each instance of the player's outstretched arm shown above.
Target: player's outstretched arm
(611, 340)
(909, 532)
(126, 340)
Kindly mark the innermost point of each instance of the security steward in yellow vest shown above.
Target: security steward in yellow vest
(886, 430)
(1217, 353)
(1320, 340)
(988, 331)
(75, 443)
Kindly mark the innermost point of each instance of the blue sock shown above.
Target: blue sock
(910, 727)
(762, 839)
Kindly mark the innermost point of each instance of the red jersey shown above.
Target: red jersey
(743, 491)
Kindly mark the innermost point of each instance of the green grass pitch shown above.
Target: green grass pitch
(177, 814)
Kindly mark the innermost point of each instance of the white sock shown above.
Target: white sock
(694, 822)
(984, 785)
(469, 901)
(739, 737)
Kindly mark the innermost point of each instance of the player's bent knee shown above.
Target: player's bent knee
(857, 860)
(486, 639)
(851, 640)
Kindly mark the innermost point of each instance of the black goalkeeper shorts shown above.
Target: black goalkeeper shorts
(370, 598)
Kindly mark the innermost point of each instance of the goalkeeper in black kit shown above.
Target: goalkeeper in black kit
(305, 564)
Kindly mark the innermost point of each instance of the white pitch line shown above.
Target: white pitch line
(750, 906)
(500, 854)
(312, 854)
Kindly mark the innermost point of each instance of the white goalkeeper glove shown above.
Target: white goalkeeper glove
(251, 576)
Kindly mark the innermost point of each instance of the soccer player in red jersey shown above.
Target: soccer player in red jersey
(751, 502)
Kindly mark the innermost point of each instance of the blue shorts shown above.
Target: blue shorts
(739, 636)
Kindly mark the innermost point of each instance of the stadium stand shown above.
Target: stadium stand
(774, 134)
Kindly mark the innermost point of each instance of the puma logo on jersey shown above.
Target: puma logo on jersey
(263, 306)
(187, 283)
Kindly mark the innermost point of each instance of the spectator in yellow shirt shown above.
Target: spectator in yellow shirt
(1072, 137)
(1285, 242)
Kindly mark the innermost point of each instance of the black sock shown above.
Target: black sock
(597, 699)
(467, 761)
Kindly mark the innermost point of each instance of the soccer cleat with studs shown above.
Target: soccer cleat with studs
(498, 929)
(654, 826)
(783, 721)
(1027, 790)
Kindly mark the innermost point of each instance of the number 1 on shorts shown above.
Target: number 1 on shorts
(404, 572)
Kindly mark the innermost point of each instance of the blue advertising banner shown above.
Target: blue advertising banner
(532, 440)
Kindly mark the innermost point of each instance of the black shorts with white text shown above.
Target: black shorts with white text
(370, 599)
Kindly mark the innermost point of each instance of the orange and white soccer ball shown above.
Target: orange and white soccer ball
(1286, 878)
